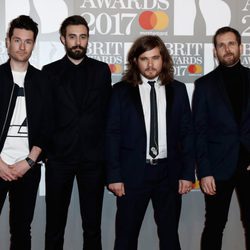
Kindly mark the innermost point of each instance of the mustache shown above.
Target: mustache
(149, 68)
(78, 47)
(229, 54)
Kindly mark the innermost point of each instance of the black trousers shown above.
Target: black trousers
(132, 206)
(59, 184)
(22, 199)
(217, 207)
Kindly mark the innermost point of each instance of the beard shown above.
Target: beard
(150, 73)
(76, 52)
(229, 62)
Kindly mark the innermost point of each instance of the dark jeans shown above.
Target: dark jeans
(217, 207)
(22, 199)
(59, 184)
(132, 206)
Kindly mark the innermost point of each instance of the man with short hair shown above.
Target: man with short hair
(81, 88)
(22, 139)
(221, 107)
(149, 140)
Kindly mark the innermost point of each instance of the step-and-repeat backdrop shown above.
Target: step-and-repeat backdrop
(186, 27)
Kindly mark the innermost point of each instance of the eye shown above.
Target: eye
(156, 57)
(220, 45)
(16, 40)
(29, 42)
(83, 37)
(233, 43)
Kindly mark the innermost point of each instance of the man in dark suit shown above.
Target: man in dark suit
(81, 88)
(221, 106)
(149, 145)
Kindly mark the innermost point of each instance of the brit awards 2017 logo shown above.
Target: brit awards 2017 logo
(187, 58)
(115, 20)
(109, 52)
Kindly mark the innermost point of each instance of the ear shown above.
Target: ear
(7, 42)
(241, 49)
(62, 39)
(215, 53)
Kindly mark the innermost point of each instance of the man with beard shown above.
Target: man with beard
(80, 89)
(150, 154)
(221, 107)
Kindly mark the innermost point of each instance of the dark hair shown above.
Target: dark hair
(73, 20)
(23, 22)
(141, 45)
(224, 30)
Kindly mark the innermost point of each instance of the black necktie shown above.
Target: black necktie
(153, 141)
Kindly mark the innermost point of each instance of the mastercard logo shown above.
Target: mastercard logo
(195, 69)
(157, 20)
(115, 68)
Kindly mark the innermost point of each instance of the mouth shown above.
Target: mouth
(150, 70)
(77, 48)
(228, 55)
(21, 53)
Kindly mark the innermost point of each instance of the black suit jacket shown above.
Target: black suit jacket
(218, 135)
(126, 135)
(36, 91)
(78, 132)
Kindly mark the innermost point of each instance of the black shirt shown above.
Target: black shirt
(235, 85)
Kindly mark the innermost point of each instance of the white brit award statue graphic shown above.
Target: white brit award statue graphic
(215, 13)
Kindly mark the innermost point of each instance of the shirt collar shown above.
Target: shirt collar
(145, 80)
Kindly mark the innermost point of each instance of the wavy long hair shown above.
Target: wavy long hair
(141, 45)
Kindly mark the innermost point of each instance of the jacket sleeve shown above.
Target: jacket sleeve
(187, 140)
(200, 117)
(113, 139)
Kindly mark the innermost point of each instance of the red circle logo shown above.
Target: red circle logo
(115, 68)
(195, 69)
(157, 20)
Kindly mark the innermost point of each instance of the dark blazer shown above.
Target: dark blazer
(79, 129)
(218, 135)
(36, 90)
(126, 135)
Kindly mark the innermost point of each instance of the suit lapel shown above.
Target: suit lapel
(135, 94)
(169, 106)
(169, 99)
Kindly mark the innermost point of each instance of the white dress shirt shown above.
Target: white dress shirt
(144, 89)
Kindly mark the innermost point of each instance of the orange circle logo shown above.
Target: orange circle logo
(115, 68)
(157, 20)
(195, 69)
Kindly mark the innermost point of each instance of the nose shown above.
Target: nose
(150, 62)
(78, 41)
(22, 46)
(227, 49)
